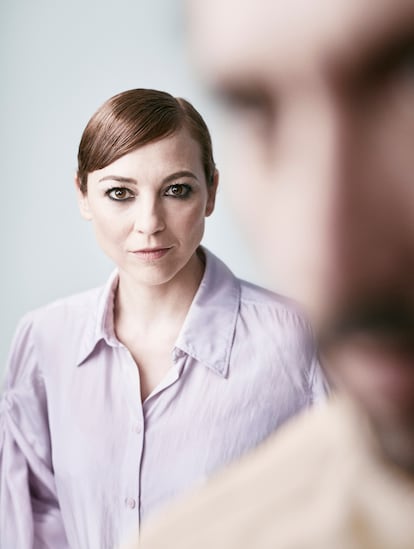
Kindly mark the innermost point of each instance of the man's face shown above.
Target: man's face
(321, 97)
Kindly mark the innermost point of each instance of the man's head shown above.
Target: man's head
(322, 94)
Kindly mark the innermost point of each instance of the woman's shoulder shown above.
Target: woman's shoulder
(252, 295)
(53, 329)
(64, 320)
(274, 318)
(65, 306)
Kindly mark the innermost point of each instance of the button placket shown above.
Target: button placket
(137, 428)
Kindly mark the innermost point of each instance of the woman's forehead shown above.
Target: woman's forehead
(177, 151)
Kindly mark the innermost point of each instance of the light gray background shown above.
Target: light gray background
(59, 61)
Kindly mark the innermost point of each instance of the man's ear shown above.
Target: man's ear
(212, 191)
(83, 201)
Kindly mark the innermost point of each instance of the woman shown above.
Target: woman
(122, 397)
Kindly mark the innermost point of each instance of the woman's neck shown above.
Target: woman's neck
(140, 308)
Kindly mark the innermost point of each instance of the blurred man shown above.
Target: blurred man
(322, 97)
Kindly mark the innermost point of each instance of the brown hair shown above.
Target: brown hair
(134, 118)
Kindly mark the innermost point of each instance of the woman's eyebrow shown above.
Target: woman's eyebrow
(118, 179)
(177, 175)
(131, 180)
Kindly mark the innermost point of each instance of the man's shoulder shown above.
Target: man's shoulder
(292, 452)
(261, 495)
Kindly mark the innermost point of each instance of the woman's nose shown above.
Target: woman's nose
(149, 218)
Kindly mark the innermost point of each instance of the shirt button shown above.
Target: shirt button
(137, 429)
(130, 502)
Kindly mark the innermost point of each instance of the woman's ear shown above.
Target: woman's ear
(212, 191)
(83, 201)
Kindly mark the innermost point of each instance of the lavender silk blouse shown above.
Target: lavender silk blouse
(83, 461)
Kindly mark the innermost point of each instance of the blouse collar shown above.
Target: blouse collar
(208, 329)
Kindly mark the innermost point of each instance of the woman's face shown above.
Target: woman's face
(148, 208)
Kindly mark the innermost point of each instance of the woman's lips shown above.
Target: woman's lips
(151, 254)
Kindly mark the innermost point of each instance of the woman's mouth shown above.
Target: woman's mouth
(151, 254)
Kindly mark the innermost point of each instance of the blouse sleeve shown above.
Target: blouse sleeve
(29, 511)
(319, 388)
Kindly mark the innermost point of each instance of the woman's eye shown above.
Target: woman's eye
(178, 190)
(119, 193)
